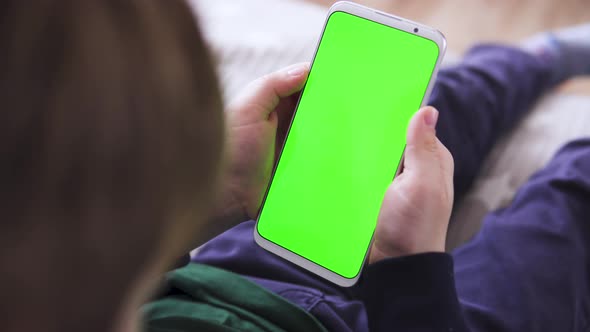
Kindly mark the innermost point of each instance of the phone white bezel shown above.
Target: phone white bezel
(391, 21)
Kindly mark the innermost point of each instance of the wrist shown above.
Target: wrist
(226, 212)
(228, 208)
(379, 253)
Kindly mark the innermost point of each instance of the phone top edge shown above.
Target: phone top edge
(391, 20)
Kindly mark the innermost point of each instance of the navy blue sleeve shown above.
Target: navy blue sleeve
(413, 293)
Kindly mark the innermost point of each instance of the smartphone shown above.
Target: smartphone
(371, 72)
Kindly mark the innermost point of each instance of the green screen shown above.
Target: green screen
(346, 141)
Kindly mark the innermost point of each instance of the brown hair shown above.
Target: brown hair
(110, 129)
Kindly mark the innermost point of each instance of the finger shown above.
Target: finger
(421, 142)
(285, 112)
(425, 155)
(265, 93)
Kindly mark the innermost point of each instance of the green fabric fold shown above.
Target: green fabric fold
(204, 298)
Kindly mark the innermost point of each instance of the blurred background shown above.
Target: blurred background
(250, 38)
(467, 21)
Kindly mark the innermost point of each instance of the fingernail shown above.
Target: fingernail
(297, 71)
(431, 117)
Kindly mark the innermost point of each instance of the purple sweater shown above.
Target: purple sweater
(414, 293)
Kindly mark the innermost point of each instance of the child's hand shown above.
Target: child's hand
(417, 206)
(257, 124)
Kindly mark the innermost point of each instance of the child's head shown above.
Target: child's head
(110, 143)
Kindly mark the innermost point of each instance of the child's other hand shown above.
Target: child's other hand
(257, 124)
(415, 213)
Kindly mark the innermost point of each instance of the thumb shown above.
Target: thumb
(423, 149)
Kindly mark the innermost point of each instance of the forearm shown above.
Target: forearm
(412, 293)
